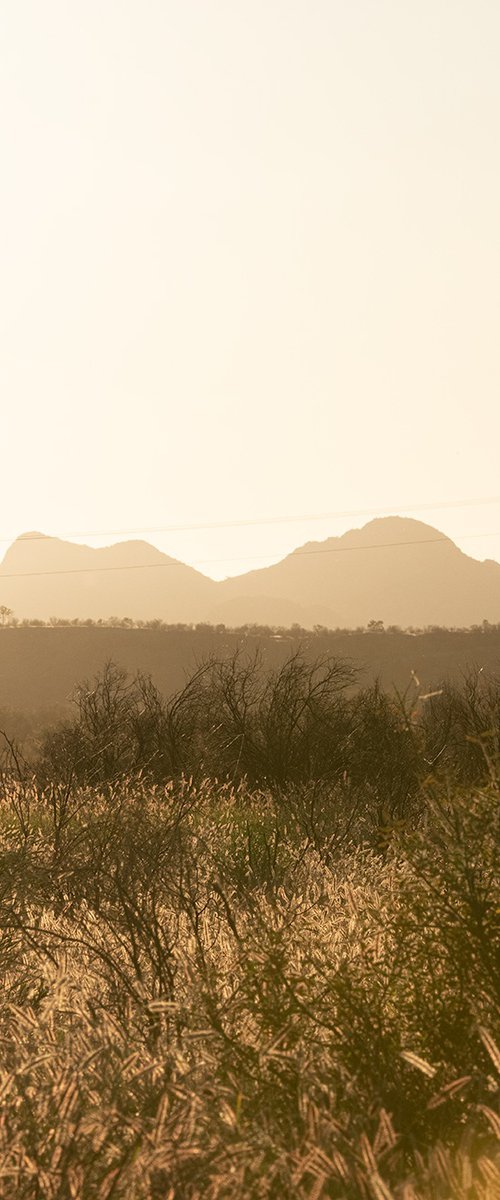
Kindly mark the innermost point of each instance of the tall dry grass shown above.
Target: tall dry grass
(201, 998)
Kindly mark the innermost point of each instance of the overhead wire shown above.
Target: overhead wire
(241, 523)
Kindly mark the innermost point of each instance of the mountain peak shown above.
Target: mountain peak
(395, 569)
(33, 535)
(43, 576)
(394, 529)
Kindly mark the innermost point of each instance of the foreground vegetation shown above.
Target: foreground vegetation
(279, 983)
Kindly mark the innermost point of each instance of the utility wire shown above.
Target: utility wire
(394, 509)
(208, 561)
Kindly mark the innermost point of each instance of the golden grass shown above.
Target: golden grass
(174, 1026)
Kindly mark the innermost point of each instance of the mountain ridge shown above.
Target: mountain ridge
(418, 576)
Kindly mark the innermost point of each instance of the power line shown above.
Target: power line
(211, 561)
(257, 521)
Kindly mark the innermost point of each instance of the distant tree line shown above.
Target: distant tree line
(9, 620)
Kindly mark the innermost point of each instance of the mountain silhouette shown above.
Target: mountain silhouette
(46, 577)
(394, 569)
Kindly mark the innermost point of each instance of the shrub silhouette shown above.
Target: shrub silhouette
(232, 719)
(342, 763)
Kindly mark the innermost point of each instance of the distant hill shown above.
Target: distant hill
(46, 577)
(395, 569)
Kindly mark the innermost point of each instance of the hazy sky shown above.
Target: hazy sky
(250, 269)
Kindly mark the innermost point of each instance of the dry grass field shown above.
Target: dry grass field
(226, 990)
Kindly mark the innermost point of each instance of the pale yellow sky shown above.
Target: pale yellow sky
(250, 268)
